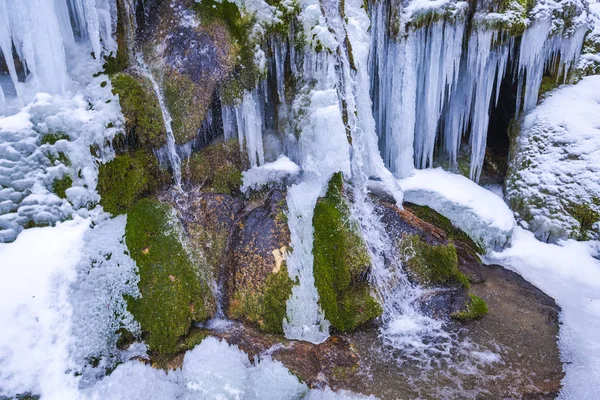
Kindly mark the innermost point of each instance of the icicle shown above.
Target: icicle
(532, 59)
(251, 129)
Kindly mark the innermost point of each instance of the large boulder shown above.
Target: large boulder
(173, 293)
(192, 47)
(257, 280)
(553, 181)
(341, 262)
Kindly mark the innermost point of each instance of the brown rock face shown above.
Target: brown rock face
(257, 281)
(191, 60)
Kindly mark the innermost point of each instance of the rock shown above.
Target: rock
(257, 281)
(341, 262)
(553, 182)
(331, 363)
(216, 168)
(208, 220)
(127, 178)
(173, 293)
(144, 126)
(193, 58)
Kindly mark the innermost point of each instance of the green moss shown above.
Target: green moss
(188, 103)
(217, 168)
(115, 63)
(245, 75)
(585, 215)
(432, 265)
(127, 178)
(172, 293)
(341, 260)
(60, 186)
(429, 215)
(143, 117)
(475, 310)
(266, 306)
(52, 138)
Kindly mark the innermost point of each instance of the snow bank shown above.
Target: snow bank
(554, 172)
(475, 210)
(35, 310)
(571, 275)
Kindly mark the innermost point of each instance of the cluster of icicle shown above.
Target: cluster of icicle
(428, 88)
(39, 35)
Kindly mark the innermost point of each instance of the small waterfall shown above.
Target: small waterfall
(174, 158)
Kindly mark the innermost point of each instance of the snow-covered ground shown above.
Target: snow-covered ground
(49, 324)
(555, 169)
(568, 271)
(475, 210)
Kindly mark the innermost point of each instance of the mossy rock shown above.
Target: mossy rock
(188, 104)
(475, 310)
(60, 186)
(52, 137)
(430, 264)
(433, 217)
(143, 118)
(341, 262)
(217, 168)
(586, 216)
(173, 292)
(258, 283)
(127, 178)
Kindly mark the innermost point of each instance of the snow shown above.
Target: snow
(277, 171)
(556, 163)
(570, 273)
(35, 310)
(478, 212)
(89, 117)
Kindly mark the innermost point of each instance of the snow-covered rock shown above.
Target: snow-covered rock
(553, 183)
(478, 212)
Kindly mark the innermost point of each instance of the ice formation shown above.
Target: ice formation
(555, 164)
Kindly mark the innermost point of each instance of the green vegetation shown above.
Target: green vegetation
(118, 62)
(127, 178)
(341, 260)
(432, 265)
(52, 138)
(475, 310)
(265, 307)
(585, 215)
(172, 293)
(245, 75)
(217, 167)
(60, 186)
(143, 117)
(434, 218)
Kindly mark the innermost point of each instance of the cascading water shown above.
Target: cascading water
(174, 158)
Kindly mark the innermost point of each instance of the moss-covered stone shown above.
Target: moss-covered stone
(53, 137)
(265, 308)
(586, 216)
(431, 216)
(60, 186)
(187, 104)
(341, 262)
(143, 117)
(127, 178)
(173, 295)
(258, 283)
(217, 168)
(431, 265)
(475, 310)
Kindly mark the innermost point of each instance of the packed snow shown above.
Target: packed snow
(556, 163)
(477, 211)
